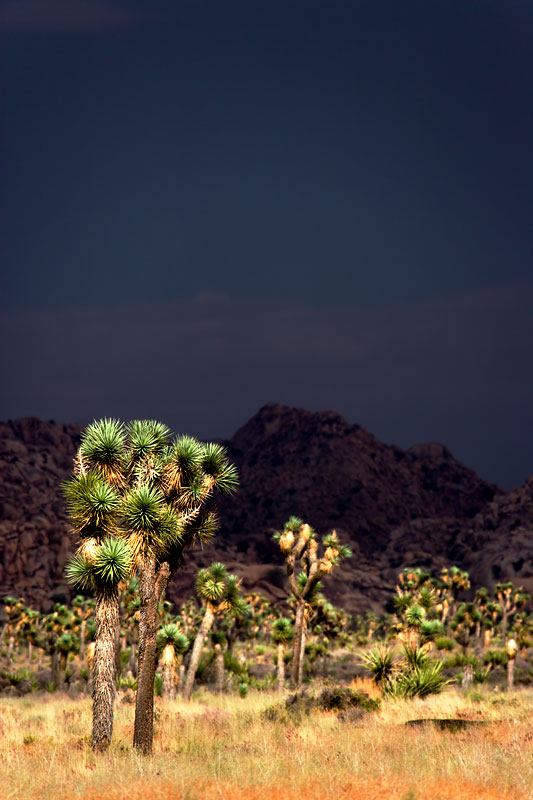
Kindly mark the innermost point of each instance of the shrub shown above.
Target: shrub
(336, 699)
(444, 643)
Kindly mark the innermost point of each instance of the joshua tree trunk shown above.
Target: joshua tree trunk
(151, 586)
(181, 677)
(168, 672)
(83, 628)
(132, 664)
(117, 650)
(298, 646)
(505, 617)
(62, 671)
(510, 674)
(107, 620)
(30, 651)
(56, 669)
(10, 647)
(205, 627)
(219, 668)
(281, 667)
(302, 653)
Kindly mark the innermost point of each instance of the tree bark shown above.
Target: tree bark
(219, 669)
(510, 674)
(297, 645)
(107, 620)
(152, 584)
(281, 667)
(132, 664)
(204, 629)
(181, 677)
(168, 672)
(56, 669)
(302, 653)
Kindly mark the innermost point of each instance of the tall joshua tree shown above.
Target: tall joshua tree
(220, 593)
(298, 543)
(282, 634)
(158, 488)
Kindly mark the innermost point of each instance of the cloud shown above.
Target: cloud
(455, 371)
(63, 15)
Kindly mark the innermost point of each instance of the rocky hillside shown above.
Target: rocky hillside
(395, 507)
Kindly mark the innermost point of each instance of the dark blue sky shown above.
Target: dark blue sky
(208, 205)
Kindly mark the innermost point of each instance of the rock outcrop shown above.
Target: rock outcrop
(395, 507)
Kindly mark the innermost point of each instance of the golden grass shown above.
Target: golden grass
(220, 747)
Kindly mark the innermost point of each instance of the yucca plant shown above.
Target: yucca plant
(282, 634)
(172, 644)
(221, 594)
(409, 674)
(381, 661)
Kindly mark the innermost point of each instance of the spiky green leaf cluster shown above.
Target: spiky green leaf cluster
(282, 631)
(93, 505)
(103, 446)
(112, 563)
(171, 634)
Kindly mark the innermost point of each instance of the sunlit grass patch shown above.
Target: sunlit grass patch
(223, 747)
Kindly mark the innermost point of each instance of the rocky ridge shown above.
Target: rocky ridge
(396, 508)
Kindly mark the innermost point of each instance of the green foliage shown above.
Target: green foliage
(112, 563)
(171, 634)
(413, 674)
(102, 445)
(243, 690)
(416, 682)
(444, 643)
(92, 504)
(496, 658)
(337, 699)
(282, 631)
(381, 662)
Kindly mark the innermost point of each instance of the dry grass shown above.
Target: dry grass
(222, 748)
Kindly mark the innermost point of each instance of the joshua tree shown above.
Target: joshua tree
(14, 611)
(453, 581)
(157, 488)
(282, 634)
(67, 643)
(102, 564)
(218, 639)
(298, 543)
(511, 598)
(465, 623)
(220, 593)
(511, 649)
(172, 644)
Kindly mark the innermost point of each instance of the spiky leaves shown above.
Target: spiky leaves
(152, 524)
(102, 449)
(221, 591)
(215, 465)
(221, 594)
(110, 564)
(282, 631)
(211, 582)
(93, 505)
(172, 635)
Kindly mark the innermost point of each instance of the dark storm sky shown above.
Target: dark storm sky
(208, 205)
